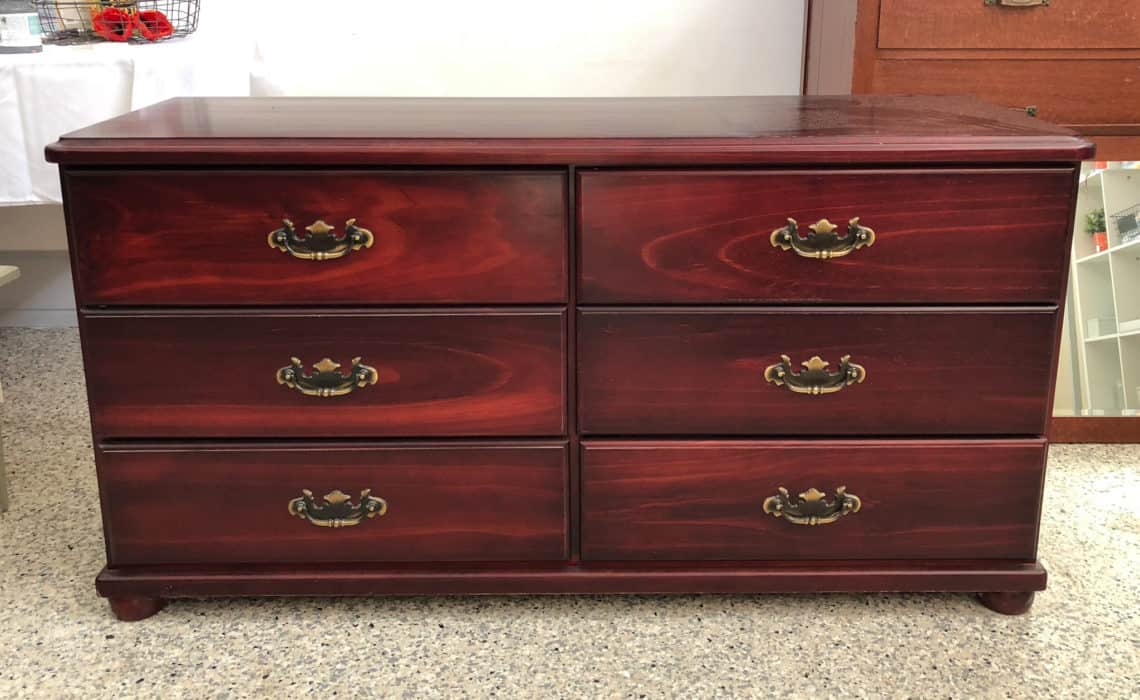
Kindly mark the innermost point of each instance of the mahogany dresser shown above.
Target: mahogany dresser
(354, 347)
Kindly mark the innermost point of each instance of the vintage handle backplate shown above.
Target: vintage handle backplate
(812, 507)
(822, 242)
(320, 242)
(815, 378)
(327, 380)
(337, 510)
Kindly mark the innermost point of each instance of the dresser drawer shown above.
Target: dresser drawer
(180, 504)
(912, 372)
(204, 237)
(939, 236)
(1082, 24)
(929, 499)
(451, 373)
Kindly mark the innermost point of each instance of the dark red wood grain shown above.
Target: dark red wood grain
(589, 131)
(585, 578)
(187, 504)
(199, 237)
(196, 374)
(929, 371)
(472, 434)
(702, 500)
(942, 236)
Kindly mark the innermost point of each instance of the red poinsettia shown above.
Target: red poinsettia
(113, 24)
(153, 25)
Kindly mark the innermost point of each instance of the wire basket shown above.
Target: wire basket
(79, 21)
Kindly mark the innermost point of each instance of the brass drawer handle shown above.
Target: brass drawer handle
(811, 506)
(815, 378)
(327, 380)
(321, 243)
(1015, 3)
(822, 243)
(338, 510)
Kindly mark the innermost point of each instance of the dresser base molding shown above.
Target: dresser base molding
(1001, 585)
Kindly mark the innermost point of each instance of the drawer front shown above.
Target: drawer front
(419, 374)
(939, 236)
(174, 505)
(923, 372)
(903, 500)
(1090, 93)
(1082, 24)
(202, 238)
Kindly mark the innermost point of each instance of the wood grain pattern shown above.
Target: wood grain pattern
(702, 500)
(929, 371)
(1094, 91)
(186, 504)
(586, 578)
(195, 374)
(586, 131)
(1075, 24)
(942, 236)
(199, 237)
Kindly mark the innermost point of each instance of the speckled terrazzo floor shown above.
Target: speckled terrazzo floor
(57, 639)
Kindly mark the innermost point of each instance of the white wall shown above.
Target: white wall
(534, 48)
(454, 48)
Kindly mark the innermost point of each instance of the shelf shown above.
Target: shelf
(1125, 246)
(1102, 255)
(1113, 336)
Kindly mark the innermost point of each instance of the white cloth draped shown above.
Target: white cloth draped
(44, 95)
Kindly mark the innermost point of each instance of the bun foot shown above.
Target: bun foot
(1006, 603)
(135, 608)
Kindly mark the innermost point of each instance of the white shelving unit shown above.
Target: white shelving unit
(1105, 298)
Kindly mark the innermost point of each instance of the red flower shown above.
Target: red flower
(113, 24)
(154, 25)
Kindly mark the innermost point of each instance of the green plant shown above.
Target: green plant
(1094, 222)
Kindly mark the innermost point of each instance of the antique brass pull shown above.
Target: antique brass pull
(815, 378)
(822, 243)
(338, 510)
(810, 507)
(328, 380)
(321, 243)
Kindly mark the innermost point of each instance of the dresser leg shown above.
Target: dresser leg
(135, 608)
(1007, 603)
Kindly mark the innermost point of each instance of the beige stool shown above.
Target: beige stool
(7, 274)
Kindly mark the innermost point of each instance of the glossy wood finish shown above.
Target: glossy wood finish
(440, 237)
(1087, 99)
(942, 236)
(929, 371)
(472, 431)
(195, 374)
(135, 608)
(227, 504)
(1005, 60)
(586, 578)
(585, 132)
(1071, 24)
(1008, 602)
(681, 500)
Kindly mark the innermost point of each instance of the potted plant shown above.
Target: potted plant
(1094, 226)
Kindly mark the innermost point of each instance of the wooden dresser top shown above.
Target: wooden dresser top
(581, 131)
